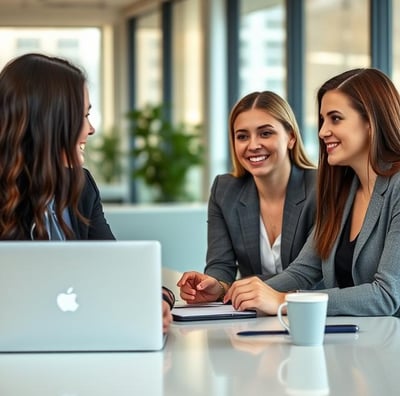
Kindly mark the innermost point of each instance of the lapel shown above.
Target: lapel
(329, 268)
(295, 195)
(372, 215)
(249, 222)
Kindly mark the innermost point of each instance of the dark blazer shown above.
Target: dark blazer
(90, 207)
(234, 223)
(376, 259)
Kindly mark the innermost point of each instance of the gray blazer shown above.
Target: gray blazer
(234, 223)
(376, 260)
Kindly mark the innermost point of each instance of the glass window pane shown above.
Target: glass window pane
(262, 46)
(148, 65)
(79, 45)
(188, 91)
(337, 39)
(187, 60)
(82, 47)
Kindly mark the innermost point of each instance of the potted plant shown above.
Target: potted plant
(164, 153)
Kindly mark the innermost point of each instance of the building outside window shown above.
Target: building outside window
(188, 79)
(81, 46)
(148, 67)
(262, 47)
(336, 39)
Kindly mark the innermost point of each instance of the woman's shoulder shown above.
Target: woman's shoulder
(228, 187)
(88, 176)
(227, 181)
(393, 184)
(395, 179)
(388, 188)
(304, 177)
(90, 184)
(310, 176)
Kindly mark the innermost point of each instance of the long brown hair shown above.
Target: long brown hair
(375, 98)
(41, 113)
(278, 108)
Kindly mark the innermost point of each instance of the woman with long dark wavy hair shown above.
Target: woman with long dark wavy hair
(44, 126)
(45, 193)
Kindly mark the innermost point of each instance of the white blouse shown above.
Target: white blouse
(271, 263)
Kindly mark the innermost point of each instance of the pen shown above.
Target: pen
(329, 329)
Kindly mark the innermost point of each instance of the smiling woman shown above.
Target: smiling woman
(46, 192)
(260, 215)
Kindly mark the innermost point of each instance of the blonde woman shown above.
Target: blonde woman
(259, 216)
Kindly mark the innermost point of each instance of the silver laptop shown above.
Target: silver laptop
(80, 296)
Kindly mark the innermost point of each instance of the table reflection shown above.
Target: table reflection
(304, 371)
(86, 374)
(219, 362)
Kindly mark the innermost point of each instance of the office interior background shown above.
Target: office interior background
(200, 57)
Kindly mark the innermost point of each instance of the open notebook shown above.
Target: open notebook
(80, 296)
(209, 311)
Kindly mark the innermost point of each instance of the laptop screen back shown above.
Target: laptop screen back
(80, 296)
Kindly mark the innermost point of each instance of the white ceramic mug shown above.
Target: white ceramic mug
(307, 317)
(304, 372)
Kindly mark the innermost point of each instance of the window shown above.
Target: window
(82, 47)
(188, 91)
(25, 44)
(79, 45)
(328, 54)
(187, 78)
(262, 44)
(148, 65)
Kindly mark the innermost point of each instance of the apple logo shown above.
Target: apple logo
(67, 301)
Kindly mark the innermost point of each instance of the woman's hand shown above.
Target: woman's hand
(196, 287)
(253, 293)
(168, 301)
(166, 315)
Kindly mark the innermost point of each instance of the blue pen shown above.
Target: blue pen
(329, 329)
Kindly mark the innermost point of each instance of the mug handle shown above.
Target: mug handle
(283, 321)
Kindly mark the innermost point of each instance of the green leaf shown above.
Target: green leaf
(164, 153)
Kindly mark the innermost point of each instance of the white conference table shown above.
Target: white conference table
(209, 358)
